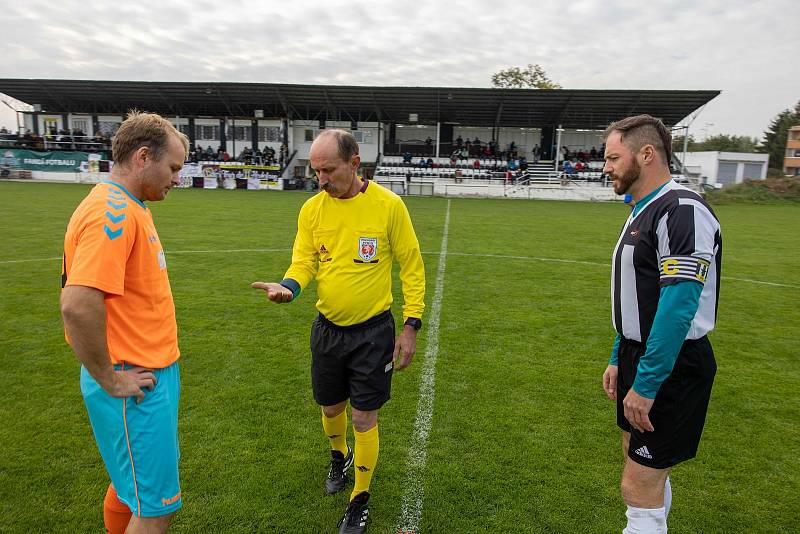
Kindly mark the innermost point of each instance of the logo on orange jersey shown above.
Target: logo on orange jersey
(171, 500)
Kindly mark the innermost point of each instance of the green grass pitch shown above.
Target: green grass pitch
(522, 437)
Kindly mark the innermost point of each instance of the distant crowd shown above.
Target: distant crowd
(55, 140)
(248, 156)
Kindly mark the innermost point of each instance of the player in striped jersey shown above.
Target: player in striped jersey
(664, 290)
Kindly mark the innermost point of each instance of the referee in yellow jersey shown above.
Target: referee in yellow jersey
(347, 236)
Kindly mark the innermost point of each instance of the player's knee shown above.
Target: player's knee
(333, 411)
(642, 492)
(150, 525)
(363, 421)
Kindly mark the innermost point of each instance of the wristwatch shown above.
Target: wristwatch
(414, 322)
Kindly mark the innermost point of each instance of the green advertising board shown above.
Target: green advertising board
(57, 161)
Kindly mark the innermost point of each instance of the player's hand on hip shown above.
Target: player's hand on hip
(404, 348)
(637, 411)
(610, 381)
(275, 292)
(132, 382)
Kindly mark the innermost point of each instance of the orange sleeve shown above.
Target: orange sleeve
(103, 242)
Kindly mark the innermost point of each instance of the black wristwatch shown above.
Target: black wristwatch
(414, 322)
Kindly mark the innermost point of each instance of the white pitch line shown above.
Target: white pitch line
(228, 250)
(466, 254)
(32, 259)
(411, 511)
(559, 260)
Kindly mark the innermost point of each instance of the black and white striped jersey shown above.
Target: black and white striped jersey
(674, 237)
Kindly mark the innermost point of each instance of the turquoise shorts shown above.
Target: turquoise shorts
(139, 442)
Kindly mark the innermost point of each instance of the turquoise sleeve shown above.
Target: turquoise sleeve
(677, 306)
(614, 360)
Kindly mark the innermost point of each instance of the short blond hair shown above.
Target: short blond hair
(141, 129)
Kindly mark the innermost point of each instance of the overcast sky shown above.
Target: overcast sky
(748, 50)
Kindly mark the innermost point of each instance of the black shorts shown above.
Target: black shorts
(352, 362)
(679, 411)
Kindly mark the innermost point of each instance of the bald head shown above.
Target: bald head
(346, 143)
(334, 157)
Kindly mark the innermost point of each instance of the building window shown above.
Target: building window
(184, 129)
(108, 128)
(310, 135)
(206, 133)
(240, 133)
(363, 136)
(797, 152)
(80, 124)
(269, 134)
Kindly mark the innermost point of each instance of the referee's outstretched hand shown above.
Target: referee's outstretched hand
(275, 292)
(637, 411)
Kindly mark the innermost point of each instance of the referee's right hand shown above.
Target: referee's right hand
(610, 381)
(275, 292)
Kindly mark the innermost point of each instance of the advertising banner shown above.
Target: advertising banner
(59, 161)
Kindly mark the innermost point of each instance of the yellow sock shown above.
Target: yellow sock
(336, 430)
(366, 456)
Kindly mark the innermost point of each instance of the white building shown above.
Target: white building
(722, 168)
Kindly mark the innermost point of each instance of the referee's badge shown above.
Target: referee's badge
(367, 248)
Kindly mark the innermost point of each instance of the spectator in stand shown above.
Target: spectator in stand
(487, 152)
(523, 163)
(580, 166)
(476, 164)
(465, 152)
(581, 155)
(569, 170)
(512, 165)
(429, 163)
(284, 156)
(512, 150)
(537, 153)
(593, 153)
(428, 142)
(407, 157)
(565, 153)
(421, 162)
(209, 152)
(459, 142)
(454, 157)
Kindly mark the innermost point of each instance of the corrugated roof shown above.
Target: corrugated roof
(571, 108)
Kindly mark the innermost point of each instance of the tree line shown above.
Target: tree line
(773, 143)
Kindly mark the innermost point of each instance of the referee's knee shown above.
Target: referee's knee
(364, 421)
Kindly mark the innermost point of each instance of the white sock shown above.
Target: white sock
(667, 498)
(645, 521)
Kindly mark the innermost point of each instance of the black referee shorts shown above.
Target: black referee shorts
(352, 362)
(679, 411)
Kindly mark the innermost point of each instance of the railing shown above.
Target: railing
(80, 143)
(288, 161)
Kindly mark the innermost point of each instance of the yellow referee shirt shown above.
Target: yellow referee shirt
(349, 245)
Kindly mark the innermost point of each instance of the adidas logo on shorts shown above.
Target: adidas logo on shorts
(643, 452)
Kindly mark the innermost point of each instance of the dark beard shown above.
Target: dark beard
(627, 179)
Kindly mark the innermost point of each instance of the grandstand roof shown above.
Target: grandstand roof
(571, 108)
